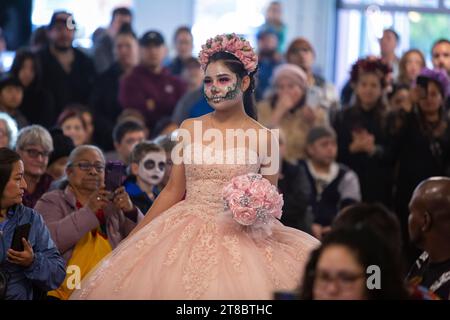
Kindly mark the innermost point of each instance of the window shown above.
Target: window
(214, 17)
(361, 23)
(89, 15)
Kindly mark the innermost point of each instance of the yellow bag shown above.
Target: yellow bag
(92, 248)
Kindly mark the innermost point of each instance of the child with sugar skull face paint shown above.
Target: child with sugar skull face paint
(147, 167)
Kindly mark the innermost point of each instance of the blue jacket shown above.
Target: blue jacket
(48, 268)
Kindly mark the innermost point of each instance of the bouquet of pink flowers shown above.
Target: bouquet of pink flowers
(252, 200)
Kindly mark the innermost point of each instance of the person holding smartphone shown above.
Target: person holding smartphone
(86, 219)
(28, 256)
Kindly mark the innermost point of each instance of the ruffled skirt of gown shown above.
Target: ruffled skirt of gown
(193, 251)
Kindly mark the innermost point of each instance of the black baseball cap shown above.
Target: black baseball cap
(151, 38)
(7, 80)
(60, 17)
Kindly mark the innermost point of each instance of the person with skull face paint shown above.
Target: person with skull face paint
(188, 246)
(147, 166)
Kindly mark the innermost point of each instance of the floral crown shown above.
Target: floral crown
(371, 65)
(233, 44)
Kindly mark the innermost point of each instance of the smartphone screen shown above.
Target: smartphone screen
(20, 232)
(114, 175)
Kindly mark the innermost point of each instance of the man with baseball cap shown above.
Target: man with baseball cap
(150, 88)
(67, 73)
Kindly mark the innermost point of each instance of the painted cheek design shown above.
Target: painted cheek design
(231, 92)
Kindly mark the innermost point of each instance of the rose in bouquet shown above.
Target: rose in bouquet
(252, 200)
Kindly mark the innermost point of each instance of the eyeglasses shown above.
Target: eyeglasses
(87, 166)
(343, 279)
(34, 153)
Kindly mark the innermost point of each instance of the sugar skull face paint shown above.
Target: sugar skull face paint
(220, 84)
(152, 167)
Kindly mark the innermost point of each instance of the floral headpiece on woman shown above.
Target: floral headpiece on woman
(370, 65)
(233, 44)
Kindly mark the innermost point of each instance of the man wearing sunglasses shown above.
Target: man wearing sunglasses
(34, 145)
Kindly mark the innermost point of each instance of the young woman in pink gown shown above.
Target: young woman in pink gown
(187, 247)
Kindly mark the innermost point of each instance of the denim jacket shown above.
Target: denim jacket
(48, 268)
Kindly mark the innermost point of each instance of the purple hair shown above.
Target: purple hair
(438, 76)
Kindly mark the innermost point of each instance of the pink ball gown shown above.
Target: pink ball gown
(194, 251)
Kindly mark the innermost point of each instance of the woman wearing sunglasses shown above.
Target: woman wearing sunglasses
(85, 220)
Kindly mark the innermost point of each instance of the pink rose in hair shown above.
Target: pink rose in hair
(232, 44)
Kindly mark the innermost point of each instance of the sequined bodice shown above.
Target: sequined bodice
(209, 170)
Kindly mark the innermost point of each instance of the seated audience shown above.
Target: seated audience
(73, 125)
(184, 44)
(329, 186)
(125, 136)
(34, 145)
(167, 143)
(86, 221)
(62, 147)
(106, 106)
(293, 189)
(149, 87)
(286, 109)
(340, 268)
(400, 98)
(147, 167)
(429, 230)
(38, 263)
(8, 131)
(11, 96)
(37, 104)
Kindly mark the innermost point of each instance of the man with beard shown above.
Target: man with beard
(268, 59)
(67, 73)
(440, 54)
(429, 229)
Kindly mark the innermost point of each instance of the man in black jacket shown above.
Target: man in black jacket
(67, 73)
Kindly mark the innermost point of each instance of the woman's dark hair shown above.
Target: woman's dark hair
(402, 76)
(370, 65)
(160, 126)
(237, 67)
(122, 11)
(70, 113)
(181, 30)
(369, 250)
(7, 159)
(23, 55)
(396, 88)
(39, 38)
(126, 30)
(375, 216)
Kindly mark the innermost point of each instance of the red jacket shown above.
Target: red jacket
(154, 95)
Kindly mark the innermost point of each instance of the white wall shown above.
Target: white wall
(314, 20)
(162, 15)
